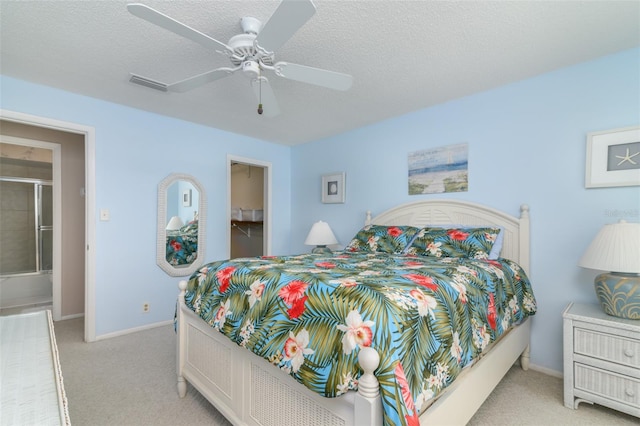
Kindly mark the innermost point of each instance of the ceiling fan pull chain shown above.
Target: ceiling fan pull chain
(260, 110)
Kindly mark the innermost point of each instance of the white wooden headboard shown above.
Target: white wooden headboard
(455, 212)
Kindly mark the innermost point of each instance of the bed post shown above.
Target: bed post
(367, 404)
(524, 260)
(524, 239)
(181, 343)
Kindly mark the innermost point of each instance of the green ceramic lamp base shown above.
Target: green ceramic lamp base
(321, 250)
(619, 294)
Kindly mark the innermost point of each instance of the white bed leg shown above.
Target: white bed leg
(180, 346)
(182, 387)
(367, 404)
(524, 359)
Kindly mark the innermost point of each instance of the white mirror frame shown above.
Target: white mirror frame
(161, 249)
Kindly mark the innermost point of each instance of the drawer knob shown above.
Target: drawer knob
(628, 352)
(629, 392)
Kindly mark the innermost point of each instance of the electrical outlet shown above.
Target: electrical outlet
(145, 307)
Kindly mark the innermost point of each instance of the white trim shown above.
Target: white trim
(90, 187)
(133, 330)
(547, 371)
(266, 244)
(69, 317)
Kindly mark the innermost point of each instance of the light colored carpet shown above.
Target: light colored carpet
(131, 381)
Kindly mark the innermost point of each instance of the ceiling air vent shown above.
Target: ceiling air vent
(147, 82)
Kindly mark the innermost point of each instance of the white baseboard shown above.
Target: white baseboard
(133, 330)
(547, 371)
(73, 316)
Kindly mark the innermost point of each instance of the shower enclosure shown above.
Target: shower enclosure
(26, 241)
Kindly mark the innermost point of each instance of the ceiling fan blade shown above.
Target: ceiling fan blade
(200, 79)
(319, 77)
(265, 96)
(151, 15)
(285, 21)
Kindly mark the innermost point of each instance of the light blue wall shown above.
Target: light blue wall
(135, 150)
(527, 144)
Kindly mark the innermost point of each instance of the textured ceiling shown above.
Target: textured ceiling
(403, 55)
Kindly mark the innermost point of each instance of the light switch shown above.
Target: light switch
(104, 215)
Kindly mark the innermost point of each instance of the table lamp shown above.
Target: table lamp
(320, 236)
(616, 249)
(174, 224)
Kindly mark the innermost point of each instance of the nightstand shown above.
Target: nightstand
(601, 359)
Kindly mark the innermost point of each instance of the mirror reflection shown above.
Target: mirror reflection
(180, 228)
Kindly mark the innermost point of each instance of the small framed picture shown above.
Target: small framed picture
(333, 190)
(186, 198)
(613, 158)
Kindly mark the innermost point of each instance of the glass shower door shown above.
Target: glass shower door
(26, 226)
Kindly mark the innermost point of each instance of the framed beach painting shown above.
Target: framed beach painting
(438, 170)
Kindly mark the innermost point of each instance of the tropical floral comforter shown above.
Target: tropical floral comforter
(310, 314)
(182, 245)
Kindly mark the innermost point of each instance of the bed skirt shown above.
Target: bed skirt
(31, 386)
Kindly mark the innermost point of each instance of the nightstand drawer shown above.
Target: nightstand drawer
(606, 384)
(608, 347)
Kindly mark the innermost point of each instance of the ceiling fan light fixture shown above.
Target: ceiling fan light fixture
(251, 69)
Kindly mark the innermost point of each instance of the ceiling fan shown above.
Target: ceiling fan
(251, 52)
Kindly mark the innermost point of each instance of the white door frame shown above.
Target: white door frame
(90, 187)
(56, 149)
(266, 242)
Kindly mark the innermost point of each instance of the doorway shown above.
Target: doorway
(15, 124)
(249, 214)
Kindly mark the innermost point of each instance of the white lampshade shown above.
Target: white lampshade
(174, 224)
(616, 248)
(320, 235)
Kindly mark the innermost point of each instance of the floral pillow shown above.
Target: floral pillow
(382, 238)
(475, 243)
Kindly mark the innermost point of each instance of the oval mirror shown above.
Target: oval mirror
(181, 225)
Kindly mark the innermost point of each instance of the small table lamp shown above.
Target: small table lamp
(174, 224)
(616, 248)
(320, 236)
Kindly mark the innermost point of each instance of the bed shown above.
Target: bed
(295, 379)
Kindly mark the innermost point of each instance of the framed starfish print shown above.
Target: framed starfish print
(613, 158)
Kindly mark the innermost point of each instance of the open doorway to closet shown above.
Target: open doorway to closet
(248, 206)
